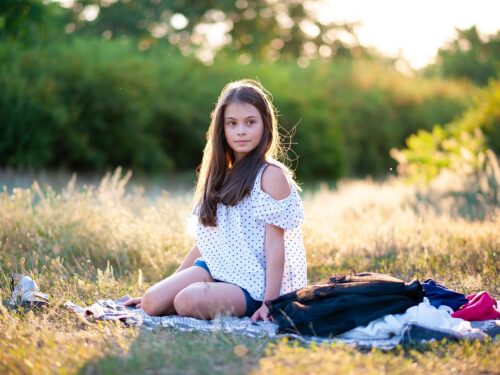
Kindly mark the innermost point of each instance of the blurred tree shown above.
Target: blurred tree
(89, 103)
(29, 20)
(469, 56)
(255, 29)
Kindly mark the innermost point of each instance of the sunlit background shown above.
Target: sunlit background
(410, 31)
(90, 85)
(413, 30)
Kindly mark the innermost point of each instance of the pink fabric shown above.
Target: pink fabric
(480, 307)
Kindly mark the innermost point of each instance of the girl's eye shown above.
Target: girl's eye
(251, 122)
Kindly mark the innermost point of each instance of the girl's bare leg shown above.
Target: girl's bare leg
(159, 299)
(205, 300)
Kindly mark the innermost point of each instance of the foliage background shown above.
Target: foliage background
(133, 85)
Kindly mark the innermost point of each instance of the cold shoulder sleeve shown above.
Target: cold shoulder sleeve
(286, 213)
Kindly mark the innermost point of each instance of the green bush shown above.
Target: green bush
(460, 145)
(91, 104)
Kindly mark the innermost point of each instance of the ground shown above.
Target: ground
(104, 241)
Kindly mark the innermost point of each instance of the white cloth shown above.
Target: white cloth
(424, 314)
(234, 249)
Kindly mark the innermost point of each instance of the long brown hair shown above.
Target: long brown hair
(221, 178)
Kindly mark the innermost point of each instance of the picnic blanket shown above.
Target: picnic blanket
(404, 332)
(419, 323)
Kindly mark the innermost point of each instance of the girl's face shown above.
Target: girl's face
(243, 128)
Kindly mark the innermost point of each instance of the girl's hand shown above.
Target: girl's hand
(262, 313)
(134, 301)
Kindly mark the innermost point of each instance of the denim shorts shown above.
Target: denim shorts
(252, 304)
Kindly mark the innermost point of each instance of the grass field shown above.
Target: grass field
(105, 240)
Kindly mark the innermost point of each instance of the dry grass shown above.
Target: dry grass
(103, 242)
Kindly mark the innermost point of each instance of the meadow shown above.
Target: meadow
(111, 237)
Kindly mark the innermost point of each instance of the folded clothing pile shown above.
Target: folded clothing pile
(343, 303)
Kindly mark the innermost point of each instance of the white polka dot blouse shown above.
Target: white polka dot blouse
(234, 249)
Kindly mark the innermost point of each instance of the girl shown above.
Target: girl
(249, 246)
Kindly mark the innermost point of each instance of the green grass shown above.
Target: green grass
(105, 241)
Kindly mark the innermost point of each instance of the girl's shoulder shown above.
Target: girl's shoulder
(275, 182)
(275, 199)
(275, 179)
(276, 172)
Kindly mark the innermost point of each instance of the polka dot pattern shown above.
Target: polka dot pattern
(234, 250)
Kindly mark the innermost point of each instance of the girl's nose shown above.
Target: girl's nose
(241, 129)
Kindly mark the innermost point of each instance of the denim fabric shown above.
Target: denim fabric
(343, 303)
(252, 305)
(440, 295)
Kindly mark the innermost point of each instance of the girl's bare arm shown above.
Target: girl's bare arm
(189, 259)
(275, 261)
(274, 183)
(186, 263)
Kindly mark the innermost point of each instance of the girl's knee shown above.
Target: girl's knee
(189, 300)
(150, 305)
